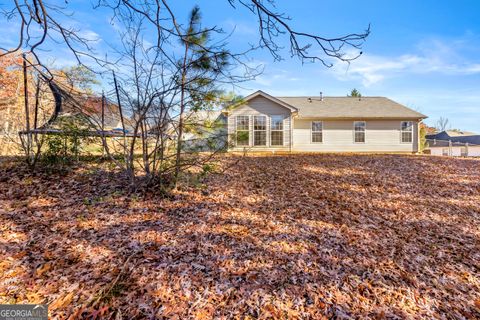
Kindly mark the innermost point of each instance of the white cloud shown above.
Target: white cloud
(432, 57)
(264, 81)
(274, 77)
(239, 28)
(89, 35)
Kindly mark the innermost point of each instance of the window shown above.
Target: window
(276, 131)
(445, 152)
(317, 131)
(243, 130)
(463, 151)
(259, 130)
(359, 131)
(407, 131)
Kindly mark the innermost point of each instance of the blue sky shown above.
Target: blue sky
(424, 54)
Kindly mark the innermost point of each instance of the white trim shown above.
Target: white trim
(401, 132)
(364, 132)
(266, 96)
(283, 130)
(265, 130)
(291, 132)
(236, 131)
(311, 131)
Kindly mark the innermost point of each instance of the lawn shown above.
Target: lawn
(299, 237)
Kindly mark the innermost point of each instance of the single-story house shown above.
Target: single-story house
(205, 130)
(454, 143)
(261, 122)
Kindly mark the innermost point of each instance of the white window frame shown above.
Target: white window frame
(242, 130)
(282, 130)
(259, 130)
(312, 132)
(463, 154)
(406, 131)
(364, 132)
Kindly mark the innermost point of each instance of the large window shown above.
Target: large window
(317, 131)
(276, 131)
(259, 130)
(359, 131)
(464, 151)
(407, 131)
(243, 130)
(445, 151)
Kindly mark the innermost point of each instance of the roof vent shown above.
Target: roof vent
(310, 100)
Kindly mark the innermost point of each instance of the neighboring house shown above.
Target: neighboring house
(205, 130)
(322, 124)
(454, 143)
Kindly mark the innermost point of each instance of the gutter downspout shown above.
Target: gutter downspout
(418, 136)
(291, 132)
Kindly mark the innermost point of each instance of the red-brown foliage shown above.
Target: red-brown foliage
(10, 78)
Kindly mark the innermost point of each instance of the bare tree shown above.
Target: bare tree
(273, 24)
(160, 91)
(442, 124)
(40, 20)
(21, 94)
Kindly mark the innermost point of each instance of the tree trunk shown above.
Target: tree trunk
(181, 116)
(27, 111)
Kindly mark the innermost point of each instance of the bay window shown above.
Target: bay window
(259, 130)
(242, 130)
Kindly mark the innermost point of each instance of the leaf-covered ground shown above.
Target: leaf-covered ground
(299, 237)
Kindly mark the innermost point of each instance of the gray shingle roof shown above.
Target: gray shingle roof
(349, 107)
(454, 133)
(456, 136)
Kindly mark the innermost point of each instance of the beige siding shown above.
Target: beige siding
(262, 106)
(473, 151)
(338, 136)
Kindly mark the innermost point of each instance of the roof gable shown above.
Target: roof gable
(260, 93)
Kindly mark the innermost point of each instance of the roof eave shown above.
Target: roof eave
(360, 117)
(265, 95)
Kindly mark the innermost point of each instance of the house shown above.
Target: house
(205, 130)
(454, 143)
(262, 122)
